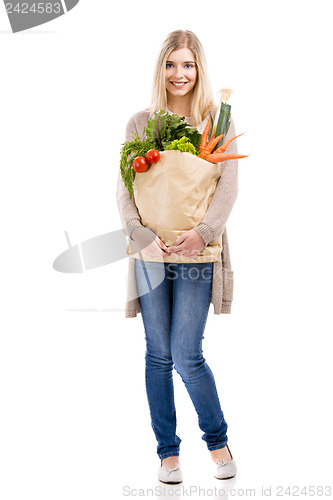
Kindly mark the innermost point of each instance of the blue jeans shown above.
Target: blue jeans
(174, 316)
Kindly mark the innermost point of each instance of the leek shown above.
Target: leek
(222, 120)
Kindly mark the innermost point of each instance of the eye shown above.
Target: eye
(189, 66)
(169, 65)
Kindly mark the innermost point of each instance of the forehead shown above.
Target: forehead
(181, 55)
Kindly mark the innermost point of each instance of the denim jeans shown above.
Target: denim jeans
(174, 315)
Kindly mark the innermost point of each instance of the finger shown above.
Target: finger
(173, 249)
(160, 243)
(164, 249)
(177, 250)
(154, 249)
(180, 239)
(178, 246)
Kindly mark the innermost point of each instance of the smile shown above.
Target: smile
(178, 85)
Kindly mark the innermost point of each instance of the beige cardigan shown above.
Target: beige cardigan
(211, 228)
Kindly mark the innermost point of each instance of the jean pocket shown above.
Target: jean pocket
(228, 284)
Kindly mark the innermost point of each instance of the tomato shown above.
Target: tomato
(140, 164)
(153, 156)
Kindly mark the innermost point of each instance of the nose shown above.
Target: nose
(179, 71)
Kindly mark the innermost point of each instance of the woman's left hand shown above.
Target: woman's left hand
(188, 244)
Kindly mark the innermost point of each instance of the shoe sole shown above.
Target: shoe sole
(230, 477)
(170, 482)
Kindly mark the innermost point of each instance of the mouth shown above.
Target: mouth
(178, 85)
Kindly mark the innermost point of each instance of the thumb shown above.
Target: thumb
(180, 239)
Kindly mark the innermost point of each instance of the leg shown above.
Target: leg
(156, 306)
(191, 300)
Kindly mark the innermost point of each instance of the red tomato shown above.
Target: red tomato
(153, 156)
(140, 164)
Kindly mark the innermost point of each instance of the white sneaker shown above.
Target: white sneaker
(170, 476)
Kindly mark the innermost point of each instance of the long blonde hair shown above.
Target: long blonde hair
(202, 100)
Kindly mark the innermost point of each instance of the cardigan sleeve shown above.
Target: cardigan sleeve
(224, 197)
(127, 209)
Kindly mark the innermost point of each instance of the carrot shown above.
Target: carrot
(204, 137)
(217, 157)
(210, 146)
(224, 146)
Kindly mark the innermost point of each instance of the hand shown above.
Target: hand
(188, 244)
(148, 242)
(156, 248)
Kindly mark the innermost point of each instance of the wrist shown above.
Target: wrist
(131, 225)
(205, 232)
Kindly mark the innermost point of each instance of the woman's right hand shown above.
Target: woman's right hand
(149, 243)
(156, 248)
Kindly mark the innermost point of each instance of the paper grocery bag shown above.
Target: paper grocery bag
(173, 195)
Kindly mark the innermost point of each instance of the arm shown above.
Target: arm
(127, 209)
(224, 197)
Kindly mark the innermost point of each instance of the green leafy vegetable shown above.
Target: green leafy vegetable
(184, 144)
(162, 129)
(134, 148)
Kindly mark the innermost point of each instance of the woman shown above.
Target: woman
(175, 312)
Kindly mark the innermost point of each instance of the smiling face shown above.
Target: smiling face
(180, 72)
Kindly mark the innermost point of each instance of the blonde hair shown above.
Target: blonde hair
(202, 100)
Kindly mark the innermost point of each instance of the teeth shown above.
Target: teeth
(179, 84)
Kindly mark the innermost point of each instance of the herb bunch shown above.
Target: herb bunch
(134, 148)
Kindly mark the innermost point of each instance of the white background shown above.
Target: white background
(74, 420)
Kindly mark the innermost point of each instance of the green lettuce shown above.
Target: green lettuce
(184, 144)
(163, 128)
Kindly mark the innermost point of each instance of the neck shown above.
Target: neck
(180, 105)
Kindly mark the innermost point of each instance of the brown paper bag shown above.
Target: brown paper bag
(172, 197)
